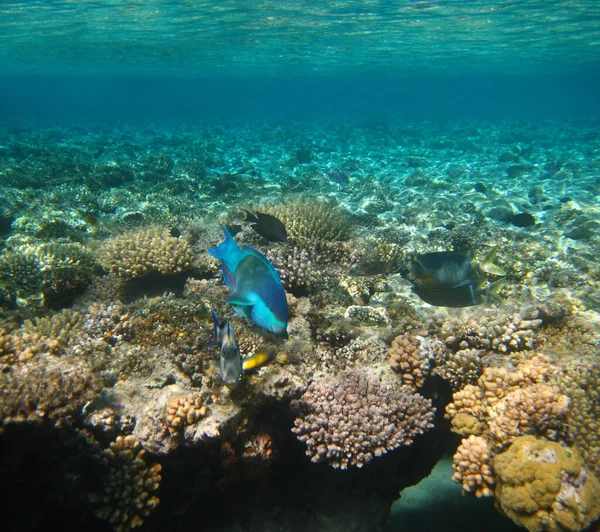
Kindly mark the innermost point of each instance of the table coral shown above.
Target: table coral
(350, 420)
(543, 486)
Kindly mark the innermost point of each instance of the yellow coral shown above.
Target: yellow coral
(472, 466)
(544, 486)
(184, 411)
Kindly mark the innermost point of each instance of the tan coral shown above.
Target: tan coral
(472, 466)
(185, 411)
(129, 485)
(144, 251)
(412, 355)
(545, 487)
(506, 404)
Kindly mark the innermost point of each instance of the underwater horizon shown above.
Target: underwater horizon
(300, 265)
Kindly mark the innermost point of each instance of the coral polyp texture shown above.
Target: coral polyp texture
(545, 486)
(473, 466)
(356, 417)
(129, 485)
(145, 251)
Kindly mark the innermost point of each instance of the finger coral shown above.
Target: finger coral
(144, 251)
(473, 467)
(129, 485)
(351, 420)
(184, 411)
(543, 486)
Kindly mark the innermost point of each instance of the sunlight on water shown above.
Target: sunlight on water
(192, 38)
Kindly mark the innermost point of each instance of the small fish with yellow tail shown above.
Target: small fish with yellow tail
(231, 365)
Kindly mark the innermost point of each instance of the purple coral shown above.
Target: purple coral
(357, 417)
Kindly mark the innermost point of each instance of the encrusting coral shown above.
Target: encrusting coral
(129, 485)
(543, 486)
(350, 420)
(144, 251)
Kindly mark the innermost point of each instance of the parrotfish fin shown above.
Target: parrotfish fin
(487, 263)
(229, 278)
(224, 248)
(239, 300)
(244, 312)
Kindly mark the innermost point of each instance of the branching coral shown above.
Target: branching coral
(46, 387)
(473, 466)
(293, 264)
(307, 222)
(185, 411)
(145, 251)
(129, 485)
(357, 417)
(42, 273)
(506, 404)
(413, 355)
(544, 486)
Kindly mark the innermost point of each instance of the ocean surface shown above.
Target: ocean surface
(376, 133)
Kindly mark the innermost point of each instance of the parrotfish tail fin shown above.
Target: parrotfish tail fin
(225, 248)
(487, 263)
(492, 290)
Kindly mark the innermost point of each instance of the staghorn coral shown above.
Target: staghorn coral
(473, 466)
(129, 485)
(45, 387)
(184, 411)
(144, 251)
(543, 486)
(506, 404)
(413, 354)
(350, 420)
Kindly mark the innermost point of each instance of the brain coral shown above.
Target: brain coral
(356, 417)
(543, 486)
(144, 251)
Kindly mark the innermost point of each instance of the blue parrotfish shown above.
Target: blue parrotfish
(258, 294)
(230, 362)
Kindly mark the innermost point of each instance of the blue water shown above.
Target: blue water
(419, 118)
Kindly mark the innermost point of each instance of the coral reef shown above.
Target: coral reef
(505, 404)
(355, 418)
(473, 466)
(129, 485)
(185, 411)
(149, 250)
(542, 485)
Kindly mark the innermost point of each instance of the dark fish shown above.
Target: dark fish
(234, 229)
(267, 226)
(453, 278)
(442, 269)
(376, 267)
(465, 295)
(523, 219)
